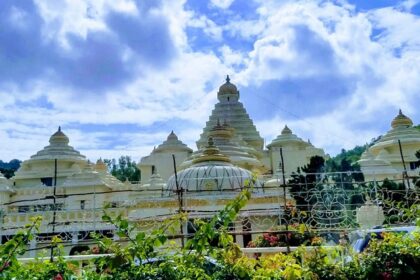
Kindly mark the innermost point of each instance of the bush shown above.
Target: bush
(395, 257)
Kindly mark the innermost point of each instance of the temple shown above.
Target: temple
(394, 153)
(60, 184)
(235, 135)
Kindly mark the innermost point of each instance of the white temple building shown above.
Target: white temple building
(236, 136)
(70, 193)
(385, 159)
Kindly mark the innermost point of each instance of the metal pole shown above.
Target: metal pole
(94, 208)
(54, 208)
(284, 197)
(179, 193)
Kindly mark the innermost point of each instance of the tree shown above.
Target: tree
(346, 161)
(305, 180)
(125, 169)
(8, 168)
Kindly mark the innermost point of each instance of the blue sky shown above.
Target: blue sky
(119, 75)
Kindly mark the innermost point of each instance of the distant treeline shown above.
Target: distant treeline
(8, 168)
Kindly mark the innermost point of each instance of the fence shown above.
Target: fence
(326, 203)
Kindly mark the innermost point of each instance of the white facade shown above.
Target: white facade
(230, 151)
(385, 159)
(235, 134)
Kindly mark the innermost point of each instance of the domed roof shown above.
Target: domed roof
(172, 143)
(58, 149)
(401, 120)
(211, 173)
(287, 136)
(211, 153)
(402, 130)
(228, 90)
(59, 137)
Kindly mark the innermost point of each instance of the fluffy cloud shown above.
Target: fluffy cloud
(120, 75)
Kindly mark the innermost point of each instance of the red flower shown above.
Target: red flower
(58, 277)
(386, 276)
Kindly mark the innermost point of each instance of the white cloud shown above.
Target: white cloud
(377, 50)
(223, 4)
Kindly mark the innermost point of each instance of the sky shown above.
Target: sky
(119, 75)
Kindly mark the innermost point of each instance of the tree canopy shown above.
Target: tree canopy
(123, 169)
(8, 168)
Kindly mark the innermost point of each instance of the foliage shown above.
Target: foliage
(323, 263)
(346, 161)
(215, 229)
(152, 255)
(124, 169)
(305, 180)
(296, 235)
(9, 168)
(394, 257)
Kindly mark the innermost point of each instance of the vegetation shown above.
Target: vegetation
(8, 168)
(148, 256)
(304, 180)
(124, 169)
(347, 161)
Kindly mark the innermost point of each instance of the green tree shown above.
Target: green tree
(124, 169)
(346, 161)
(9, 168)
(305, 180)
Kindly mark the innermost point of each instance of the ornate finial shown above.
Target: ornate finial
(59, 128)
(286, 130)
(401, 120)
(211, 153)
(227, 79)
(172, 136)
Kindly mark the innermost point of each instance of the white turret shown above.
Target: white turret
(296, 152)
(230, 109)
(383, 159)
(40, 169)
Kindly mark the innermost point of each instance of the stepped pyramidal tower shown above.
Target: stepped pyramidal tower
(231, 111)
